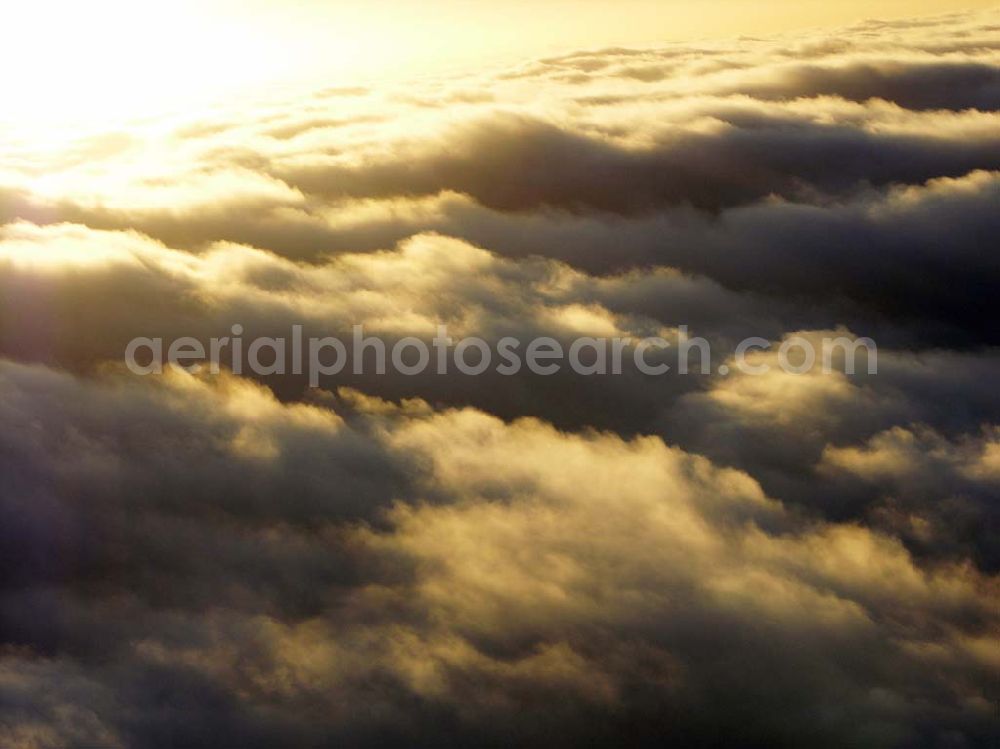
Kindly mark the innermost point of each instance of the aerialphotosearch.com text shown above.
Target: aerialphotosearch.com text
(360, 354)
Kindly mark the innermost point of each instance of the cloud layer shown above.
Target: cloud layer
(713, 560)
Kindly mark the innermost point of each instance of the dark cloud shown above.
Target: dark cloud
(519, 164)
(442, 622)
(918, 86)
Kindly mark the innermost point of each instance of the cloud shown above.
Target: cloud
(516, 163)
(775, 427)
(920, 86)
(717, 559)
(935, 492)
(649, 574)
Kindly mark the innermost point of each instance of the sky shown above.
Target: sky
(78, 63)
(760, 551)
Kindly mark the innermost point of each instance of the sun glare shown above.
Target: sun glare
(75, 66)
(78, 65)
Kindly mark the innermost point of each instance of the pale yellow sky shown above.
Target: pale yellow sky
(69, 61)
(380, 35)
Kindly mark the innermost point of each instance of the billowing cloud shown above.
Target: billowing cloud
(517, 566)
(718, 559)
